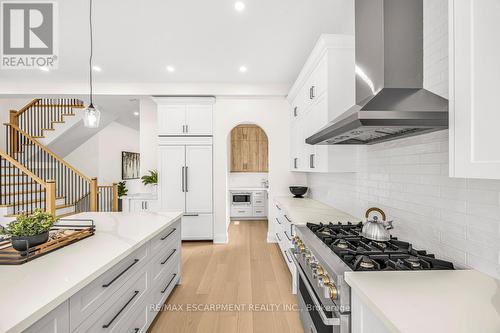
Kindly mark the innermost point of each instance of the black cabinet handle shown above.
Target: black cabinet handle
(311, 161)
(286, 234)
(278, 207)
(137, 330)
(170, 255)
(277, 236)
(169, 282)
(287, 218)
(171, 232)
(118, 276)
(121, 310)
(287, 258)
(277, 220)
(295, 160)
(295, 111)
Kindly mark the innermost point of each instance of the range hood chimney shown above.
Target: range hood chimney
(390, 100)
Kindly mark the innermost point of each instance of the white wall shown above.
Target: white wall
(272, 115)
(148, 139)
(100, 156)
(246, 179)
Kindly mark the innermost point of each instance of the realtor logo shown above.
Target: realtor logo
(29, 35)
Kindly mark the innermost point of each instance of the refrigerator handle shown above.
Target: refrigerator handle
(182, 183)
(186, 179)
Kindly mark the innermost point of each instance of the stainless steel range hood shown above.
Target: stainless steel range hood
(390, 100)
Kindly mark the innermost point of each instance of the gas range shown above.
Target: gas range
(324, 252)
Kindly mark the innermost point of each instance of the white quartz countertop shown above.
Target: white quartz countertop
(304, 210)
(431, 301)
(30, 291)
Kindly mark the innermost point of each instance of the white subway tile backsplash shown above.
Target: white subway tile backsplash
(458, 219)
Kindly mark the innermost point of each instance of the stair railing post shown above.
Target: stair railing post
(115, 198)
(14, 138)
(50, 197)
(93, 195)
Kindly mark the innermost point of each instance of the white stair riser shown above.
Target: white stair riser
(32, 206)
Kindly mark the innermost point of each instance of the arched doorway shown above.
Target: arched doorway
(248, 175)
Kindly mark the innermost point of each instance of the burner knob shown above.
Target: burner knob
(302, 248)
(323, 279)
(331, 291)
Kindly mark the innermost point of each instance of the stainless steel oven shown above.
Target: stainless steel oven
(241, 198)
(317, 313)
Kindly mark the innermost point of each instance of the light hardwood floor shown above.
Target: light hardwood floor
(246, 271)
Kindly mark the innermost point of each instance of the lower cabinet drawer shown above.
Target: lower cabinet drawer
(243, 211)
(56, 321)
(164, 237)
(139, 320)
(163, 287)
(89, 299)
(163, 262)
(259, 202)
(259, 211)
(118, 308)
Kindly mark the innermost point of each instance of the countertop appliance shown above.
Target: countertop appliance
(390, 100)
(241, 198)
(324, 252)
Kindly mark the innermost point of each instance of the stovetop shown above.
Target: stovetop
(362, 254)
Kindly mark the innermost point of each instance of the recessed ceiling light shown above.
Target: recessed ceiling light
(96, 68)
(243, 69)
(170, 69)
(44, 69)
(239, 6)
(136, 113)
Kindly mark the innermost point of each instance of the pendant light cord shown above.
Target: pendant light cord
(91, 53)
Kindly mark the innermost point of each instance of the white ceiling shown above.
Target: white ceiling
(205, 40)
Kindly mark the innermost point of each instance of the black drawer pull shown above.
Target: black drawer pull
(137, 330)
(169, 282)
(170, 255)
(278, 236)
(277, 220)
(121, 310)
(171, 232)
(286, 234)
(278, 207)
(118, 276)
(288, 219)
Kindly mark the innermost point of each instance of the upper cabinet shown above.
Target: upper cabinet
(474, 83)
(249, 149)
(185, 116)
(324, 89)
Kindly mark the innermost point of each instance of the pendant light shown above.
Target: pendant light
(92, 115)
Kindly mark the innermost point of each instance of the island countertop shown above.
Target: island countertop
(431, 301)
(30, 291)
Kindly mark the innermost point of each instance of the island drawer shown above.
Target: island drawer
(164, 260)
(90, 298)
(139, 321)
(162, 289)
(119, 307)
(54, 322)
(165, 236)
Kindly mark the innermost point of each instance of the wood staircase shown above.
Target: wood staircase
(34, 177)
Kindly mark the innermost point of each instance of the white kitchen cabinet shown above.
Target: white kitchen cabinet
(179, 116)
(56, 321)
(139, 204)
(474, 84)
(185, 183)
(363, 318)
(324, 89)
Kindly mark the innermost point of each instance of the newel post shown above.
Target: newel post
(115, 198)
(93, 195)
(50, 197)
(13, 120)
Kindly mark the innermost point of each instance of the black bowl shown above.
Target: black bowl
(23, 243)
(298, 191)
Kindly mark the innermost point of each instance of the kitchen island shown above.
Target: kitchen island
(424, 301)
(105, 281)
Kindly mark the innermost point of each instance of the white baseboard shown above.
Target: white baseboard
(221, 238)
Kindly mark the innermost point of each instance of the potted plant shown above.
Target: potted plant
(151, 179)
(29, 229)
(122, 191)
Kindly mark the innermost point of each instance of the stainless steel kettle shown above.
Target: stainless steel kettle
(374, 229)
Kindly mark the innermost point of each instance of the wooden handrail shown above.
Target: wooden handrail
(50, 152)
(22, 168)
(26, 107)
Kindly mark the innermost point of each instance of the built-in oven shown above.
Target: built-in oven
(241, 198)
(317, 316)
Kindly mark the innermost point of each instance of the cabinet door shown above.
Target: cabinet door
(236, 156)
(245, 155)
(199, 119)
(56, 321)
(474, 84)
(171, 187)
(171, 119)
(263, 157)
(198, 179)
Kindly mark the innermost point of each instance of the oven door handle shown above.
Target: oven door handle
(326, 320)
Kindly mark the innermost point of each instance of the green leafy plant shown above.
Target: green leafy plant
(151, 179)
(122, 189)
(30, 224)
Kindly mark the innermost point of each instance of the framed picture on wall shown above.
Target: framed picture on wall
(131, 163)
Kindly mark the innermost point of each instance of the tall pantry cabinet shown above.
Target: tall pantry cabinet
(185, 150)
